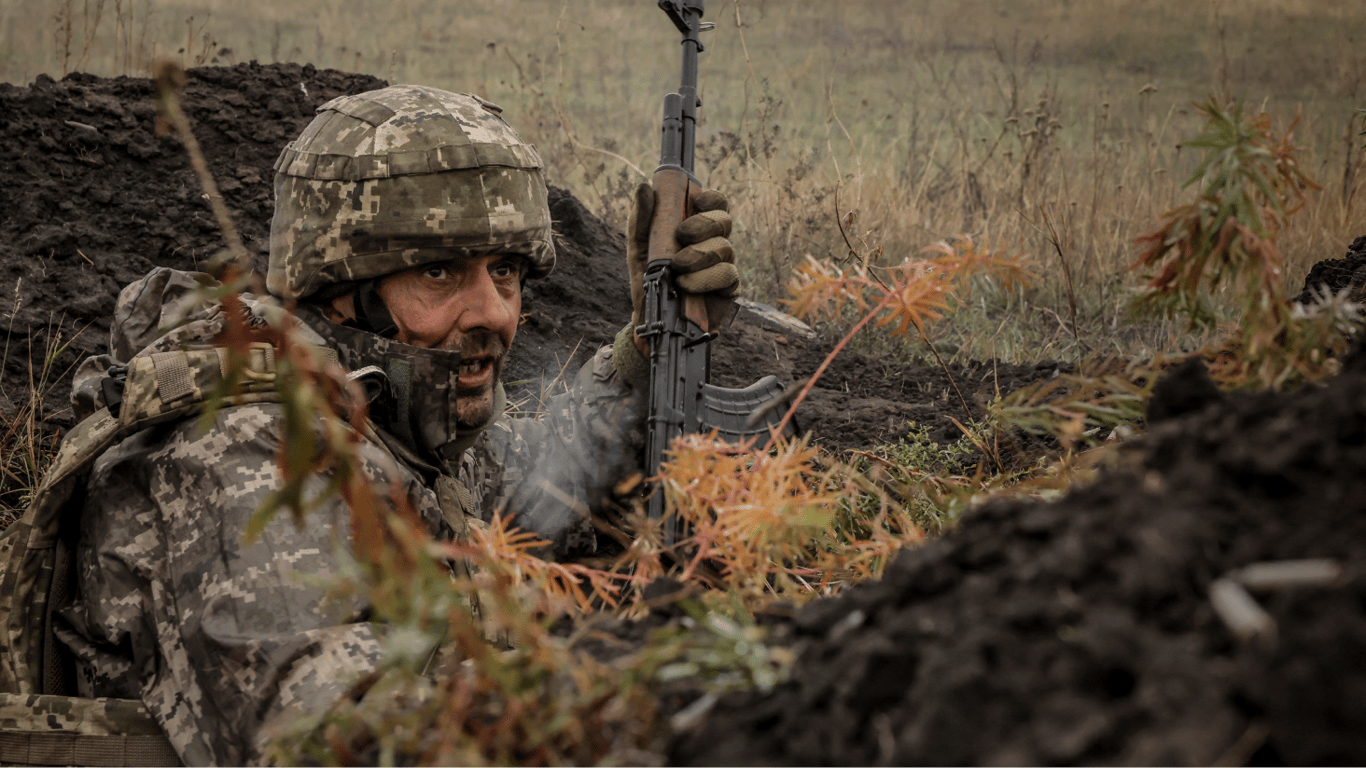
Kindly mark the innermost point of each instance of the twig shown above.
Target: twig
(839, 222)
(1067, 273)
(581, 145)
(830, 358)
(1288, 574)
(989, 453)
(953, 383)
(760, 414)
(1239, 612)
(170, 78)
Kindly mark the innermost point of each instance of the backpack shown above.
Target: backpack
(41, 721)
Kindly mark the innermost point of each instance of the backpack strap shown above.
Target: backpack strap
(157, 389)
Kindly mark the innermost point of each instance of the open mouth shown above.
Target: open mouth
(475, 367)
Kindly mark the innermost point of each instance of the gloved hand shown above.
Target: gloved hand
(705, 265)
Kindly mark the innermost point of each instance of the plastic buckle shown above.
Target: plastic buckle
(111, 386)
(267, 368)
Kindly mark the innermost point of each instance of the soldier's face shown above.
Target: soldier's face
(468, 304)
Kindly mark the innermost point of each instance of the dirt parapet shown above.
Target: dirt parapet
(1082, 631)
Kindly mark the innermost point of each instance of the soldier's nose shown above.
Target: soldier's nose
(482, 305)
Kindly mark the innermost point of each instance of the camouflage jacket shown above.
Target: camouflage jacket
(218, 637)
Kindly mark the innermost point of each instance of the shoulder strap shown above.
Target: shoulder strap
(63, 730)
(159, 388)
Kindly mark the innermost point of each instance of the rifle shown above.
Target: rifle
(682, 399)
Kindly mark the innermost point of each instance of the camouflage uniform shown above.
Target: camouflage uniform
(219, 638)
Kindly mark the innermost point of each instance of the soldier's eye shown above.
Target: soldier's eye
(508, 268)
(435, 273)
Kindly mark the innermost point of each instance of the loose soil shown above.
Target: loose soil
(1081, 631)
(1336, 275)
(1073, 632)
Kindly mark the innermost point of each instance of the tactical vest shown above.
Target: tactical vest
(41, 721)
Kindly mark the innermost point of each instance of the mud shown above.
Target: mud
(95, 197)
(1079, 631)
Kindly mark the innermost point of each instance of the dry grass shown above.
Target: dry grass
(27, 446)
(1042, 126)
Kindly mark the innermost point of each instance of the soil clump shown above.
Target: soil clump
(1336, 275)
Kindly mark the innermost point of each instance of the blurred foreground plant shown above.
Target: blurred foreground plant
(472, 673)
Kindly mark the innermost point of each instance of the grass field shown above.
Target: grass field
(911, 121)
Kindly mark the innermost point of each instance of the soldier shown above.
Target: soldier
(407, 221)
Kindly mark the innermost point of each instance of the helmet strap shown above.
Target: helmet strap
(372, 315)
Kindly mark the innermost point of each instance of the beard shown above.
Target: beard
(474, 404)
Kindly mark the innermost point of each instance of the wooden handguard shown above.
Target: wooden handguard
(673, 203)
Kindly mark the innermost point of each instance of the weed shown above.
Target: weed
(27, 445)
(914, 294)
(1249, 183)
(915, 473)
(1081, 409)
(1219, 248)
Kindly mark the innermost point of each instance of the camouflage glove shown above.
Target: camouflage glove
(705, 265)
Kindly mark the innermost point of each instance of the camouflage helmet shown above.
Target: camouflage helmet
(407, 175)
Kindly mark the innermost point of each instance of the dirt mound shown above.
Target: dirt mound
(1335, 275)
(95, 198)
(1082, 631)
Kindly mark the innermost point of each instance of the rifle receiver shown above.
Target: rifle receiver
(681, 398)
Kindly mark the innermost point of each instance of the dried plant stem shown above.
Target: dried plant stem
(962, 401)
(170, 78)
(830, 358)
(1056, 242)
